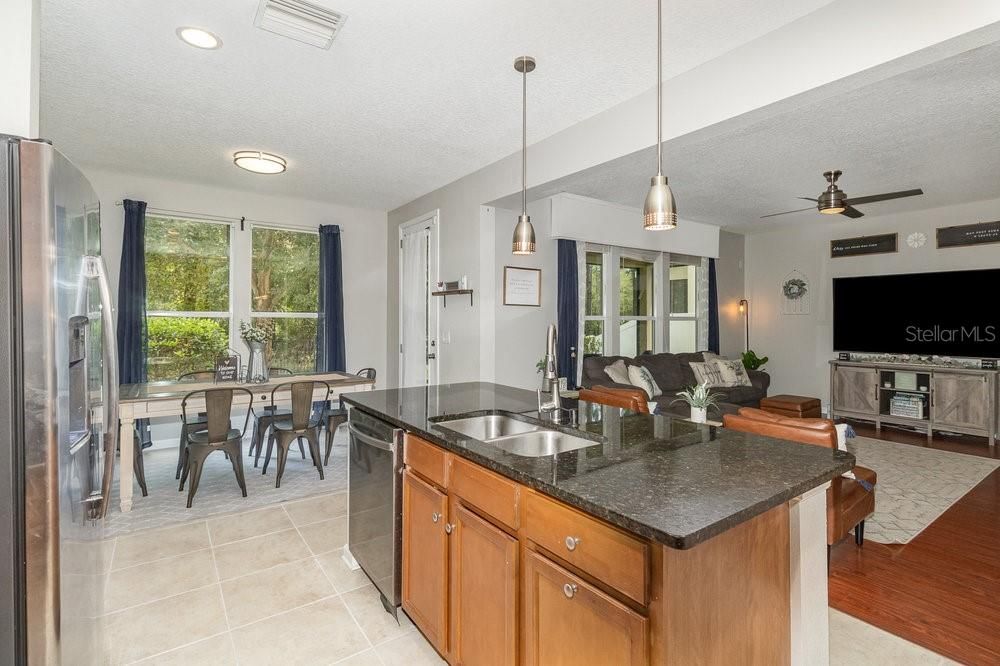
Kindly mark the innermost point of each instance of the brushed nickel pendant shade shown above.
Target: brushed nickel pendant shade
(524, 233)
(659, 210)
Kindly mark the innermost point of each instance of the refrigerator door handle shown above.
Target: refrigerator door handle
(96, 269)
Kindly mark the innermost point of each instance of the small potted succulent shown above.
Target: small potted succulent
(699, 398)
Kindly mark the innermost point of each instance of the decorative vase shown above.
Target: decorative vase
(257, 370)
(699, 414)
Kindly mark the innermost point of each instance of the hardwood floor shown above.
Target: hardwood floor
(941, 590)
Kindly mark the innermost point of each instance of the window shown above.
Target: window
(650, 303)
(594, 316)
(683, 323)
(203, 278)
(635, 306)
(188, 305)
(284, 281)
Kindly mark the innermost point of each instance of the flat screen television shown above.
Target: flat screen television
(953, 313)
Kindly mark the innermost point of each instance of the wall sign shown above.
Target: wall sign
(853, 247)
(522, 286)
(968, 234)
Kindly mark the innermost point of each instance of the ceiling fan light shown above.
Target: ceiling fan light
(831, 202)
(524, 236)
(660, 210)
(835, 210)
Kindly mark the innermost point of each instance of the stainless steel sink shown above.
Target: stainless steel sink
(515, 436)
(489, 426)
(542, 443)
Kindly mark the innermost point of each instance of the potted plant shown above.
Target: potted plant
(753, 362)
(256, 338)
(699, 398)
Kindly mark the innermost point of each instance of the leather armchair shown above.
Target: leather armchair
(848, 502)
(634, 399)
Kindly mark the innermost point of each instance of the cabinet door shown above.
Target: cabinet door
(568, 622)
(483, 592)
(855, 390)
(425, 559)
(962, 400)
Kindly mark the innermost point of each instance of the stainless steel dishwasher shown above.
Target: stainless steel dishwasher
(376, 503)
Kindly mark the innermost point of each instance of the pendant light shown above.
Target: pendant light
(659, 211)
(524, 233)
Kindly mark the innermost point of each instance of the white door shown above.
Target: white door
(418, 349)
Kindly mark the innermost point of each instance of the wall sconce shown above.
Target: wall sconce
(744, 309)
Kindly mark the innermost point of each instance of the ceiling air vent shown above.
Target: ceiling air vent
(299, 20)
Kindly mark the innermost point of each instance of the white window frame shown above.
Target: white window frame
(661, 315)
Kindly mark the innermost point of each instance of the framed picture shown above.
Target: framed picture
(522, 286)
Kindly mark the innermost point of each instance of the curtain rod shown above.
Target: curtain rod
(213, 218)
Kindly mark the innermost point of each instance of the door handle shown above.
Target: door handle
(96, 269)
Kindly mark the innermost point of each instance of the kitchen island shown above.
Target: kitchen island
(656, 541)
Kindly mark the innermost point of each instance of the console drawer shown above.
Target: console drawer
(426, 459)
(490, 493)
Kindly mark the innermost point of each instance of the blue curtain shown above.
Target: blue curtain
(713, 309)
(132, 303)
(568, 304)
(330, 351)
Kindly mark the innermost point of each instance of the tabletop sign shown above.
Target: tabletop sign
(853, 247)
(227, 368)
(969, 234)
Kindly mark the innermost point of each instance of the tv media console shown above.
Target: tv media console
(927, 397)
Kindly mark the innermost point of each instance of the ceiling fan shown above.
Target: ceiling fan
(833, 201)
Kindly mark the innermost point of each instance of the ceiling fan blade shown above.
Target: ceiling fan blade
(883, 197)
(852, 212)
(808, 199)
(800, 210)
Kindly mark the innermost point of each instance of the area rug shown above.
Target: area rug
(915, 485)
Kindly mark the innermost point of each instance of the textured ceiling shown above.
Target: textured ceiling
(936, 128)
(411, 96)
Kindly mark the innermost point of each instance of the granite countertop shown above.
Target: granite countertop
(662, 478)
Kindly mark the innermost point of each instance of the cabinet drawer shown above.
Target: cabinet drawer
(611, 556)
(490, 493)
(427, 460)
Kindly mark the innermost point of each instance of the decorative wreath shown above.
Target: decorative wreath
(794, 289)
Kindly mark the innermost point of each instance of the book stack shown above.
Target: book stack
(908, 405)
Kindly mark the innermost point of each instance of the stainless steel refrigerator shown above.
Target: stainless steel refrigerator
(58, 409)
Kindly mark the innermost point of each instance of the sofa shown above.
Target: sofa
(672, 373)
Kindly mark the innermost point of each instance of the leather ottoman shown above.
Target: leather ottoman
(795, 406)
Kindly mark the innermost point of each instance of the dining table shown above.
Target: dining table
(163, 399)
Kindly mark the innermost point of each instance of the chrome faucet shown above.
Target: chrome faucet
(553, 408)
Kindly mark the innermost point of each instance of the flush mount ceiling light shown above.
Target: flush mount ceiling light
(524, 233)
(660, 210)
(258, 162)
(198, 38)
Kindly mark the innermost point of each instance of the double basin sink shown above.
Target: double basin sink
(522, 438)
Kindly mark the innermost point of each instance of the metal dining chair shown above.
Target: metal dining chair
(218, 435)
(300, 424)
(334, 417)
(262, 421)
(197, 422)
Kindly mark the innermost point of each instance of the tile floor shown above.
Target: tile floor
(268, 586)
(260, 587)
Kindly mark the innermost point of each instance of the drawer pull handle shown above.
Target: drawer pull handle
(572, 543)
(448, 528)
(569, 589)
(435, 517)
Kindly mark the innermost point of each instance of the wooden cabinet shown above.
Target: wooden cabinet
(962, 400)
(567, 621)
(855, 390)
(425, 558)
(483, 591)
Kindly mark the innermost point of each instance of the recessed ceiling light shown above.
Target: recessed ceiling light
(198, 38)
(258, 162)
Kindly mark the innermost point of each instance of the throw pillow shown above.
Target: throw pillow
(712, 356)
(617, 372)
(733, 373)
(708, 373)
(643, 378)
